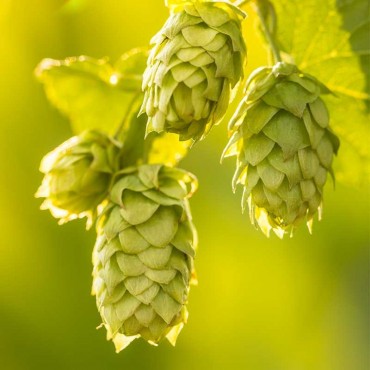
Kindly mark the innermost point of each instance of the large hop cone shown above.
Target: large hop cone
(143, 257)
(284, 148)
(198, 56)
(77, 175)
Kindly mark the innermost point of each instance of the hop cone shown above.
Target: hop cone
(77, 175)
(143, 257)
(284, 148)
(198, 56)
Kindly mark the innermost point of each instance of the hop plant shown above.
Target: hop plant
(143, 257)
(78, 175)
(284, 148)
(198, 56)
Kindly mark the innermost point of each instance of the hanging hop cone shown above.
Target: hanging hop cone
(143, 257)
(77, 175)
(198, 56)
(284, 148)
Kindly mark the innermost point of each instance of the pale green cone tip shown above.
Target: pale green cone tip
(196, 60)
(143, 257)
(77, 175)
(284, 146)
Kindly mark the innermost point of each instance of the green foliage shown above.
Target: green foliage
(92, 93)
(330, 40)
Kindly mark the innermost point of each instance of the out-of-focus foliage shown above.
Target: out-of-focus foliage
(260, 304)
(331, 40)
(91, 92)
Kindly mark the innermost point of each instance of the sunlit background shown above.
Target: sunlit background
(261, 304)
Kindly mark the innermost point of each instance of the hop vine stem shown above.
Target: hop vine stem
(258, 5)
(127, 116)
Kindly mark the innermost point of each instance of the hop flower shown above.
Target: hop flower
(77, 175)
(143, 257)
(198, 56)
(284, 148)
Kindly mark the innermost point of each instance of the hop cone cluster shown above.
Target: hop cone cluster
(77, 175)
(143, 257)
(198, 56)
(284, 148)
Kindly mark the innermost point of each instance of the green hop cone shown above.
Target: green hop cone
(143, 257)
(198, 56)
(78, 174)
(284, 148)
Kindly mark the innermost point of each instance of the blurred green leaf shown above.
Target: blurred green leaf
(166, 148)
(91, 92)
(330, 40)
(130, 68)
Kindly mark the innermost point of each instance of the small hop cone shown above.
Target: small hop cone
(143, 257)
(197, 58)
(284, 148)
(78, 174)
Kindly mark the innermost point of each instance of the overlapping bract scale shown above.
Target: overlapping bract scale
(143, 257)
(197, 58)
(284, 148)
(78, 175)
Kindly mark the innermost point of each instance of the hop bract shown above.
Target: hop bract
(198, 56)
(284, 148)
(77, 175)
(143, 257)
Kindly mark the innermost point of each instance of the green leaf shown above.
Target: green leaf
(329, 39)
(91, 92)
(166, 148)
(130, 68)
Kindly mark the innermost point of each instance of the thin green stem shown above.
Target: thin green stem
(269, 37)
(127, 115)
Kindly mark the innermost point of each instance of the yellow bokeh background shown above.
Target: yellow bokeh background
(261, 304)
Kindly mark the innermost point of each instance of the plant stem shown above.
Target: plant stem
(127, 115)
(269, 37)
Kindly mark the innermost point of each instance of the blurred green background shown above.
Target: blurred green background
(261, 304)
